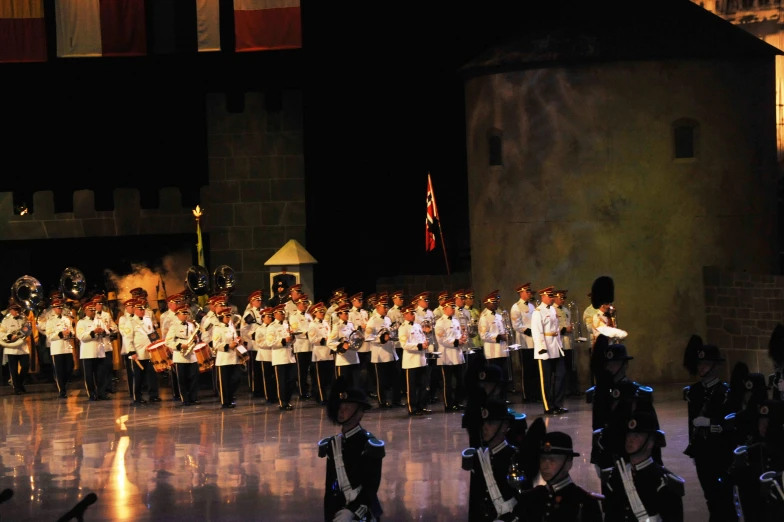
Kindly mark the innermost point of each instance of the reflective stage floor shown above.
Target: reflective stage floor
(165, 462)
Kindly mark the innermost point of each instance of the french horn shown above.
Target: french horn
(355, 340)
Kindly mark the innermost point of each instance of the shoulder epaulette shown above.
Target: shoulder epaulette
(374, 448)
(323, 446)
(730, 422)
(589, 394)
(467, 456)
(673, 482)
(686, 390)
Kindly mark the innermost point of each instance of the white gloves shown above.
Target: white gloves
(701, 422)
(344, 515)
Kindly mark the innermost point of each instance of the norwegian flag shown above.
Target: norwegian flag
(432, 216)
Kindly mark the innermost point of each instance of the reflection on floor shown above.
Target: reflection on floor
(165, 462)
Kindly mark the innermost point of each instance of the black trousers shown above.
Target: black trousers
(187, 381)
(416, 388)
(108, 363)
(386, 379)
(350, 372)
(148, 373)
(285, 375)
(258, 387)
(453, 393)
(303, 365)
(270, 384)
(365, 373)
(553, 378)
(63, 368)
(252, 371)
(94, 376)
(401, 378)
(175, 385)
(228, 379)
(717, 488)
(215, 389)
(531, 386)
(501, 363)
(571, 385)
(324, 371)
(129, 373)
(434, 376)
(18, 367)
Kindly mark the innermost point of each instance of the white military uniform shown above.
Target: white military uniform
(105, 321)
(90, 347)
(491, 325)
(141, 328)
(447, 332)
(11, 325)
(380, 353)
(599, 327)
(420, 314)
(339, 333)
(546, 333)
(300, 323)
(359, 318)
(168, 318)
(317, 331)
(520, 314)
(276, 332)
(564, 320)
(222, 335)
(263, 348)
(178, 333)
(438, 313)
(54, 327)
(396, 316)
(414, 363)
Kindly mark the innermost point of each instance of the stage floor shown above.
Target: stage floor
(165, 462)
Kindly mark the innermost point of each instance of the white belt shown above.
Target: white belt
(345, 485)
(501, 506)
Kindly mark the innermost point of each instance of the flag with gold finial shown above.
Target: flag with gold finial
(197, 212)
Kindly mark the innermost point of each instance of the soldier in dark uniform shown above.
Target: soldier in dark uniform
(764, 455)
(639, 487)
(747, 392)
(776, 354)
(614, 398)
(560, 499)
(707, 407)
(281, 295)
(285, 279)
(354, 458)
(497, 465)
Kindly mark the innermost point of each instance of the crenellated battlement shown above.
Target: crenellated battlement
(127, 218)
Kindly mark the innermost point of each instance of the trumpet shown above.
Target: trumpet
(191, 343)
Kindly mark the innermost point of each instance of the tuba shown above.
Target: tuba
(72, 286)
(223, 279)
(197, 281)
(28, 292)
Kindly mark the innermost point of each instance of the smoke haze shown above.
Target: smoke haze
(172, 271)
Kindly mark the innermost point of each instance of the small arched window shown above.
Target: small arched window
(685, 138)
(495, 148)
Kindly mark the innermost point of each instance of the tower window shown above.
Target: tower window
(685, 137)
(495, 149)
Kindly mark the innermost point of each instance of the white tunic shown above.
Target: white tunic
(300, 323)
(263, 348)
(380, 353)
(13, 325)
(179, 333)
(490, 327)
(222, 336)
(317, 332)
(140, 329)
(168, 318)
(545, 331)
(105, 321)
(247, 328)
(359, 318)
(89, 347)
(276, 334)
(411, 337)
(520, 315)
(564, 320)
(447, 334)
(396, 316)
(54, 327)
(339, 333)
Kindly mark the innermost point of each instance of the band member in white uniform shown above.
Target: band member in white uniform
(226, 342)
(59, 333)
(166, 319)
(250, 320)
(104, 319)
(126, 326)
(15, 346)
(300, 323)
(520, 315)
(323, 359)
(566, 330)
(426, 318)
(265, 378)
(415, 347)
(396, 316)
(92, 353)
(549, 352)
(142, 329)
(359, 318)
(383, 354)
(346, 358)
(283, 361)
(181, 337)
(495, 337)
(450, 340)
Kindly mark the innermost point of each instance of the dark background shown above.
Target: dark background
(384, 106)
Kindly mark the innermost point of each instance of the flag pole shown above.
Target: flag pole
(197, 213)
(440, 230)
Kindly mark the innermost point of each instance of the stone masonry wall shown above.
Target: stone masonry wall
(742, 309)
(255, 201)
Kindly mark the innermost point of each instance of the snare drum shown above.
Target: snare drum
(160, 356)
(204, 357)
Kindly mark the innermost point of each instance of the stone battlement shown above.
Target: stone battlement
(127, 218)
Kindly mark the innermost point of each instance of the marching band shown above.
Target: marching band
(344, 356)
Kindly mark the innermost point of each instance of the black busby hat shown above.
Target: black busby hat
(557, 443)
(491, 373)
(776, 345)
(696, 352)
(647, 422)
(495, 410)
(341, 393)
(602, 291)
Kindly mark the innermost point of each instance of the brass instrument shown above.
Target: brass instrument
(192, 341)
(612, 317)
(223, 279)
(197, 281)
(430, 335)
(72, 286)
(394, 336)
(465, 331)
(509, 331)
(355, 340)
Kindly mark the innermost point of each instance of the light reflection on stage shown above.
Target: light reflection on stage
(165, 462)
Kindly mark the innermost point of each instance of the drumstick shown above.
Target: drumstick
(138, 363)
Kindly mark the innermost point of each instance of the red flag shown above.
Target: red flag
(432, 216)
